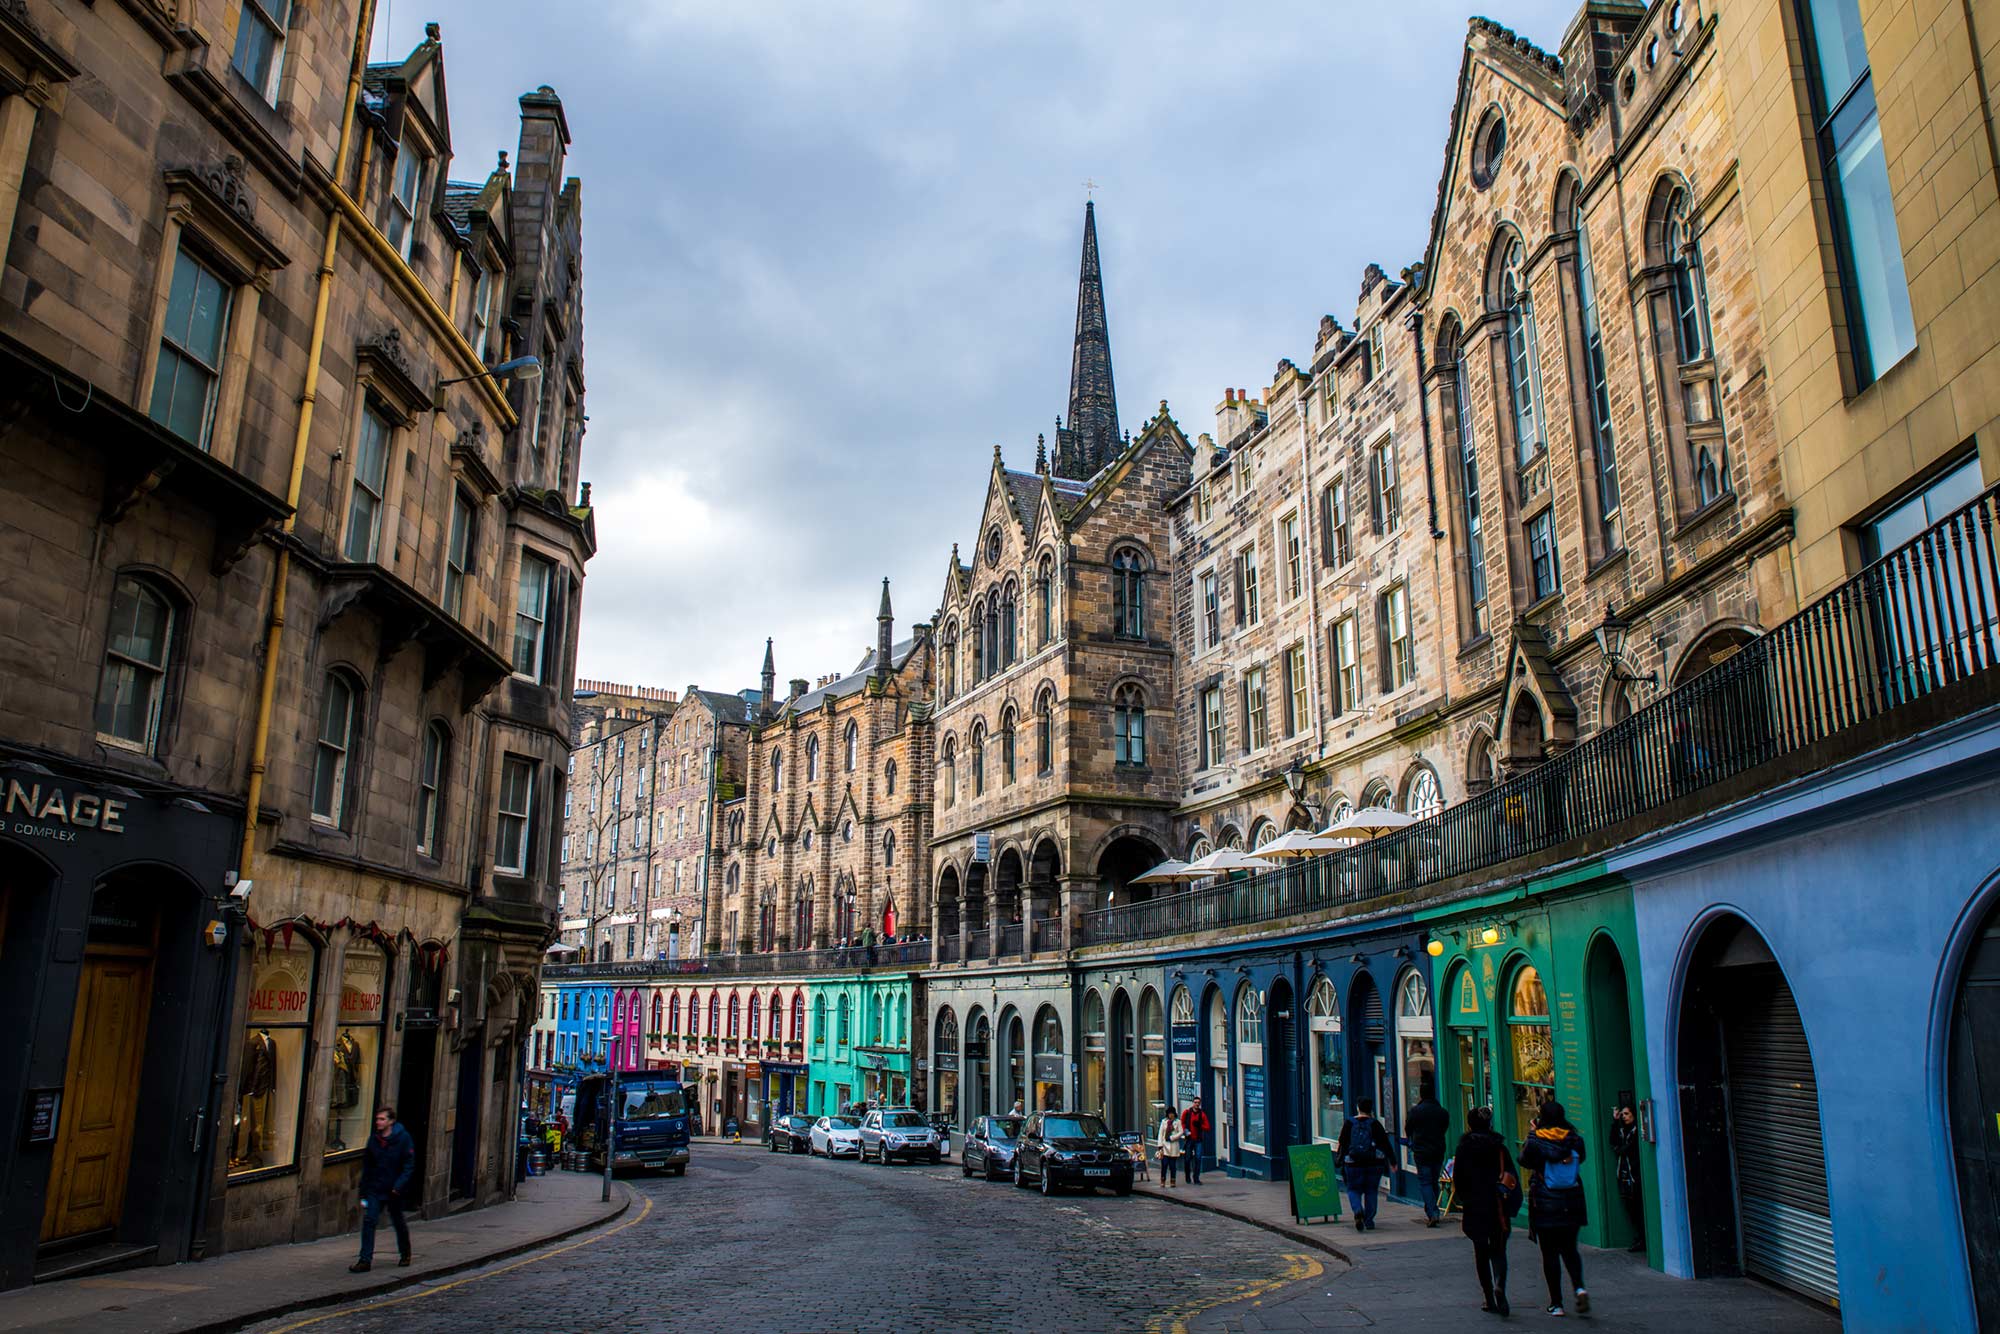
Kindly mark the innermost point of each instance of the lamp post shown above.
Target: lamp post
(1611, 634)
(516, 368)
(1295, 783)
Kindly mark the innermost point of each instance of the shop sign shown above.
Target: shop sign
(41, 809)
(982, 847)
(361, 988)
(1315, 1188)
(947, 1062)
(1048, 1067)
(1184, 1083)
(44, 1115)
(282, 990)
(1184, 1039)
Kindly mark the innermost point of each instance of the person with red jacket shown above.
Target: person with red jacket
(1195, 1126)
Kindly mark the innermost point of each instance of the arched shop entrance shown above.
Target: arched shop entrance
(1755, 1161)
(1124, 1062)
(1973, 1096)
(1328, 1054)
(1014, 1063)
(1281, 1047)
(1367, 1050)
(1611, 1065)
(978, 1066)
(944, 1065)
(1471, 1054)
(1049, 1061)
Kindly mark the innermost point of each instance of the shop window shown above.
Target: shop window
(132, 690)
(270, 1082)
(1329, 1054)
(1532, 1047)
(1152, 1056)
(357, 1047)
(1250, 1068)
(1095, 1053)
(1416, 1047)
(1048, 1069)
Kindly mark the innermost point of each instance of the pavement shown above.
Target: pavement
(245, 1287)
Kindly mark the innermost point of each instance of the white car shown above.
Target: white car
(837, 1137)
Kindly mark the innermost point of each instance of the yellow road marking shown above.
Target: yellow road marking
(1298, 1269)
(402, 1297)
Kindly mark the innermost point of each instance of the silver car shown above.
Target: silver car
(836, 1137)
(889, 1133)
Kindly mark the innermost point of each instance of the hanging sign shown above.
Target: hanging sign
(982, 847)
(1185, 1036)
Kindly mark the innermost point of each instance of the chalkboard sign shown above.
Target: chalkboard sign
(1315, 1185)
(44, 1115)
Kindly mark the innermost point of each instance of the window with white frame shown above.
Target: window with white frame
(1346, 666)
(1399, 666)
(1211, 611)
(517, 804)
(430, 787)
(1212, 734)
(189, 370)
(1291, 539)
(260, 45)
(406, 193)
(132, 688)
(531, 615)
(370, 485)
(1256, 713)
(1298, 687)
(340, 709)
(458, 553)
(1384, 489)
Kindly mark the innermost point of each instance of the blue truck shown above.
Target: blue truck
(650, 1129)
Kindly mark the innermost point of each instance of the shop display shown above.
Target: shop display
(357, 1047)
(270, 1076)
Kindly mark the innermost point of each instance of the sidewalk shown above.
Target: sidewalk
(1404, 1274)
(237, 1289)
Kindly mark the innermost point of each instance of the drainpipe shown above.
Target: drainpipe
(275, 632)
(1416, 328)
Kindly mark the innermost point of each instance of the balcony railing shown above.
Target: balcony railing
(977, 947)
(902, 954)
(1922, 619)
(1010, 939)
(1044, 934)
(947, 948)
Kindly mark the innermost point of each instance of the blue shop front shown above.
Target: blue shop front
(784, 1088)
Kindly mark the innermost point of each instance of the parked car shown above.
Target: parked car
(1070, 1149)
(792, 1134)
(836, 1137)
(889, 1133)
(989, 1146)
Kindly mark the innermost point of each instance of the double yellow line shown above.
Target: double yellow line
(474, 1277)
(1298, 1269)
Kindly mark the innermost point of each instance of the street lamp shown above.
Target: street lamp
(515, 368)
(1611, 634)
(1295, 783)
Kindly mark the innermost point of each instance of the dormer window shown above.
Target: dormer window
(482, 311)
(406, 188)
(260, 45)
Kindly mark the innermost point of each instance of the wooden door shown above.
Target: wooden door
(100, 1095)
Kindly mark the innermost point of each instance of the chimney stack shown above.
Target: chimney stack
(798, 687)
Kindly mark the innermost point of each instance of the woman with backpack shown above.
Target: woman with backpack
(1553, 1151)
(1363, 1154)
(1488, 1193)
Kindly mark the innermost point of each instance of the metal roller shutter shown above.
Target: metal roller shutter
(1787, 1226)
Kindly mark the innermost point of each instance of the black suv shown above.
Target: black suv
(1070, 1149)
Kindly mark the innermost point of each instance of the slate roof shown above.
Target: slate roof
(851, 684)
(460, 197)
(725, 705)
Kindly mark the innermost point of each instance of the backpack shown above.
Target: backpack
(1562, 1174)
(1364, 1146)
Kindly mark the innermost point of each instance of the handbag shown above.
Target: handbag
(1510, 1194)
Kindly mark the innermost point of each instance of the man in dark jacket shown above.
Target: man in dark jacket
(386, 1166)
(1194, 1127)
(1427, 1125)
(1363, 1154)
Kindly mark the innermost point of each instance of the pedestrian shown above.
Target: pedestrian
(1625, 1151)
(1553, 1152)
(1426, 1126)
(1017, 1109)
(387, 1162)
(1195, 1126)
(1363, 1155)
(1169, 1139)
(1488, 1193)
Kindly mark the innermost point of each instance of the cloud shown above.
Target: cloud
(830, 260)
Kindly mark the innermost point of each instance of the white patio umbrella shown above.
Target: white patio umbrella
(1223, 860)
(561, 947)
(1367, 822)
(1295, 844)
(1167, 872)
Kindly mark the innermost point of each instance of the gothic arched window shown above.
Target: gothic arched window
(1007, 746)
(948, 771)
(1010, 638)
(1128, 726)
(1045, 601)
(1045, 733)
(1524, 372)
(851, 745)
(977, 747)
(1128, 595)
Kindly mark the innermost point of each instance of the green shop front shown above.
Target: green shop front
(859, 1042)
(1536, 1001)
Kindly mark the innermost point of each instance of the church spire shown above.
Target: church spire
(1089, 439)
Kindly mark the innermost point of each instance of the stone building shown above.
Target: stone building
(320, 570)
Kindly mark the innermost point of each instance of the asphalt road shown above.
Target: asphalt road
(754, 1242)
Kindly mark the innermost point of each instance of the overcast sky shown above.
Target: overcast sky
(830, 257)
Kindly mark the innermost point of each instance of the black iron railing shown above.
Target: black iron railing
(1045, 933)
(902, 954)
(978, 946)
(1924, 617)
(1010, 939)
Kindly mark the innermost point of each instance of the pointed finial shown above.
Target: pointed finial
(885, 612)
(996, 455)
(1041, 453)
(503, 161)
(1089, 191)
(432, 32)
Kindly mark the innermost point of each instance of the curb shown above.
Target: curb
(1280, 1229)
(235, 1322)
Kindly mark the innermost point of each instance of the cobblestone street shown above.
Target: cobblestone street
(751, 1242)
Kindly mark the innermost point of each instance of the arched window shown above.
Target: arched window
(756, 1015)
(812, 758)
(1531, 1047)
(132, 688)
(1707, 446)
(339, 730)
(948, 771)
(889, 850)
(851, 746)
(674, 1014)
(1009, 627)
(715, 1014)
(1045, 602)
(1595, 380)
(1328, 1054)
(1006, 746)
(430, 787)
(948, 669)
(1252, 1113)
(994, 662)
(802, 915)
(975, 632)
(1416, 1046)
(977, 746)
(735, 1014)
(1128, 595)
(1045, 733)
(798, 1016)
(777, 770)
(1262, 834)
(1451, 352)
(889, 778)
(1128, 726)
(875, 1030)
(1096, 1048)
(1425, 798)
(775, 1018)
(844, 1029)
(819, 1020)
(1524, 373)
(1376, 794)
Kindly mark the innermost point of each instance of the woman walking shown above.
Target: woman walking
(1483, 1180)
(1170, 1146)
(1625, 1152)
(1556, 1209)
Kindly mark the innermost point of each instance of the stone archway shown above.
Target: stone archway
(1125, 857)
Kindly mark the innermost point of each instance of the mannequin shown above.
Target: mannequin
(346, 1087)
(255, 1079)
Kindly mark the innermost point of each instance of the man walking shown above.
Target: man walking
(1363, 1155)
(1194, 1128)
(386, 1164)
(1428, 1124)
